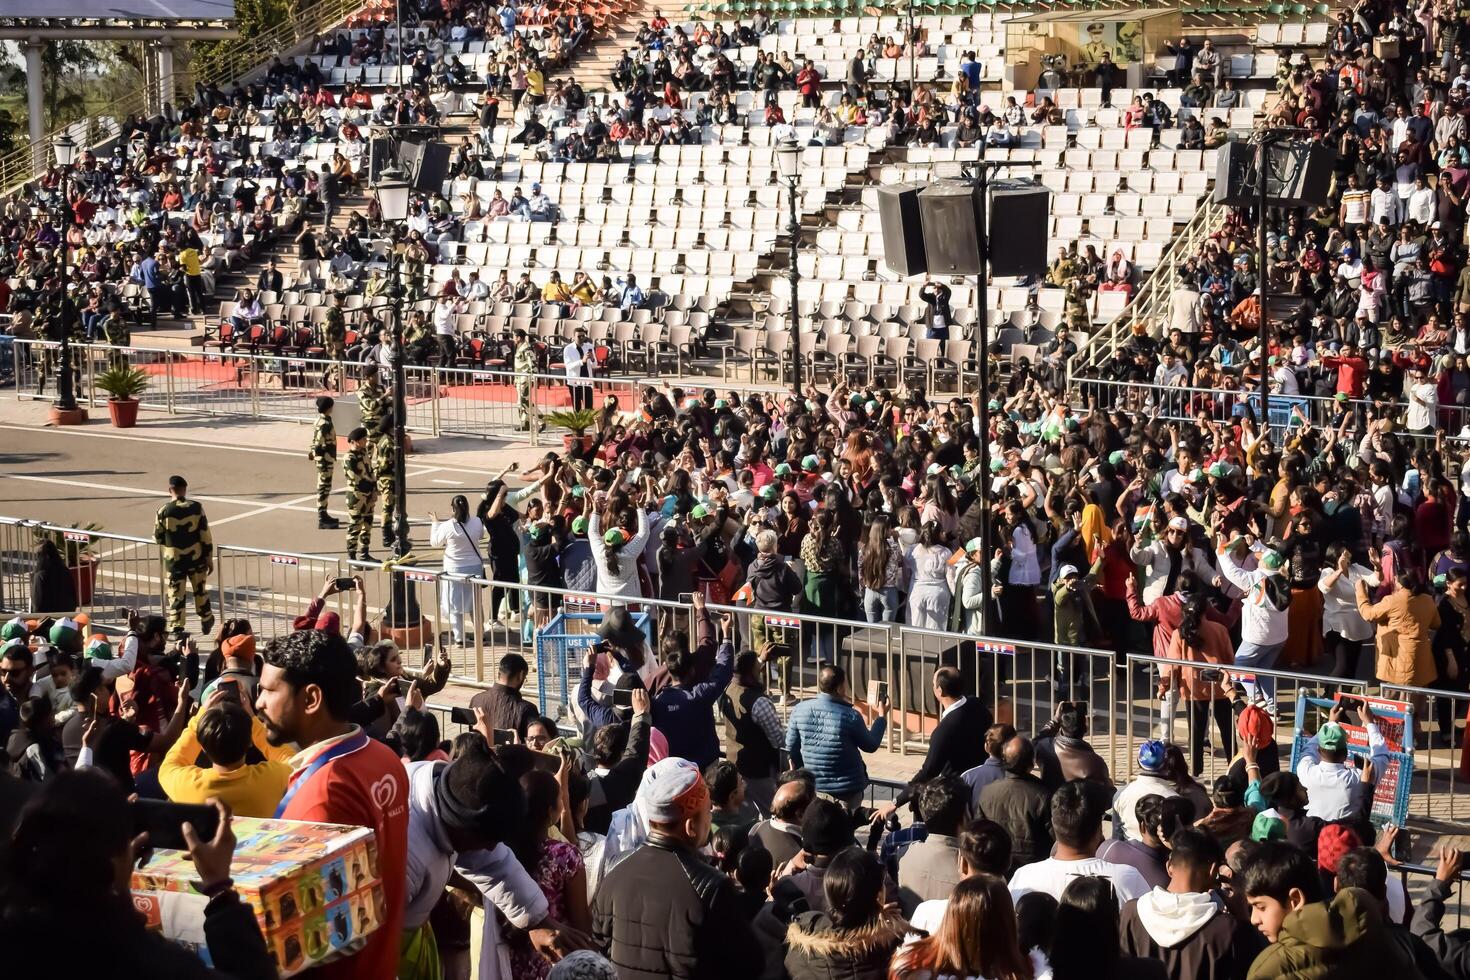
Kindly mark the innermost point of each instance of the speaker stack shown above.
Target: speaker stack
(425, 165)
(1298, 174)
(934, 228)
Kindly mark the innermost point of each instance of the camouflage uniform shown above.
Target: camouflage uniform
(324, 455)
(334, 334)
(383, 457)
(115, 332)
(359, 473)
(525, 368)
(1078, 318)
(182, 531)
(370, 402)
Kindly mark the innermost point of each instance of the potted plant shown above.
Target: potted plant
(123, 385)
(78, 556)
(576, 421)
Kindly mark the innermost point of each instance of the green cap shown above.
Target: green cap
(1441, 580)
(1341, 396)
(994, 405)
(1332, 737)
(538, 531)
(579, 491)
(721, 403)
(1272, 559)
(700, 511)
(98, 648)
(6, 648)
(1267, 827)
(614, 537)
(1219, 469)
(1196, 475)
(856, 399)
(934, 469)
(15, 629)
(810, 463)
(974, 544)
(66, 633)
(579, 525)
(871, 407)
(1071, 424)
(769, 492)
(1115, 457)
(783, 469)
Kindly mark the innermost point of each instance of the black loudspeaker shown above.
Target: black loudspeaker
(1020, 218)
(1233, 167)
(903, 238)
(949, 213)
(1298, 174)
(380, 155)
(424, 165)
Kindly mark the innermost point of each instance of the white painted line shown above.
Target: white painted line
(160, 493)
(448, 483)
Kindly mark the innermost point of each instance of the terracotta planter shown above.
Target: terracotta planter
(570, 441)
(75, 416)
(84, 577)
(124, 412)
(407, 637)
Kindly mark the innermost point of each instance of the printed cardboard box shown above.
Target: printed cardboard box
(314, 888)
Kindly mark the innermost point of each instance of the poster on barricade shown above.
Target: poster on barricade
(1395, 722)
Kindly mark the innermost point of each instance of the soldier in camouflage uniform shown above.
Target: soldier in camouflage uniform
(334, 337)
(359, 473)
(182, 531)
(525, 368)
(115, 331)
(383, 457)
(370, 401)
(323, 453)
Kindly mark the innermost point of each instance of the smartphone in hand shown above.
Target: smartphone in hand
(462, 716)
(164, 822)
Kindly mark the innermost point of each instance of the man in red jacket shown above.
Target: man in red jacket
(340, 776)
(1352, 370)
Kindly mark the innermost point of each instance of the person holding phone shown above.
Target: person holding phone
(828, 735)
(224, 731)
(82, 821)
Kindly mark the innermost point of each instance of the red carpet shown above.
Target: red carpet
(547, 396)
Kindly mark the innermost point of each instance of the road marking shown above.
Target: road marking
(73, 431)
(155, 492)
(448, 483)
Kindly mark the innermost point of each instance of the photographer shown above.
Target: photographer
(224, 731)
(317, 616)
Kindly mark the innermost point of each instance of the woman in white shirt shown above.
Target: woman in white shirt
(616, 556)
(460, 538)
(1345, 628)
(929, 592)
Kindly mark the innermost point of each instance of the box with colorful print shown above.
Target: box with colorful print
(314, 888)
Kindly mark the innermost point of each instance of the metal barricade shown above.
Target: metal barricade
(1149, 716)
(17, 561)
(112, 573)
(271, 589)
(1436, 766)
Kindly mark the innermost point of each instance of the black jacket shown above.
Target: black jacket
(505, 708)
(957, 745)
(1022, 805)
(616, 789)
(817, 950)
(1452, 948)
(773, 583)
(53, 590)
(663, 913)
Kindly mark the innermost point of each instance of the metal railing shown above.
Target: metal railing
(552, 628)
(440, 401)
(1150, 304)
(225, 61)
(1178, 403)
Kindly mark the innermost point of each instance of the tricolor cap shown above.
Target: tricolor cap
(994, 405)
(1219, 469)
(1341, 396)
(1267, 827)
(974, 544)
(15, 645)
(1196, 475)
(1179, 524)
(1441, 580)
(699, 512)
(98, 648)
(783, 469)
(1115, 457)
(997, 464)
(811, 463)
(721, 403)
(66, 633)
(1272, 560)
(935, 469)
(538, 531)
(769, 492)
(579, 525)
(614, 537)
(15, 629)
(579, 491)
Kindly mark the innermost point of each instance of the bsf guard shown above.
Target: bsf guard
(370, 401)
(525, 369)
(334, 335)
(383, 458)
(323, 453)
(359, 473)
(182, 532)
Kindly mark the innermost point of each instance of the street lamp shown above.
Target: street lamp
(788, 165)
(393, 191)
(66, 410)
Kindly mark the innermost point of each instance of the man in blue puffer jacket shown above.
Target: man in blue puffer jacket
(827, 736)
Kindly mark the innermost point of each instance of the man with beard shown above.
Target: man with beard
(307, 687)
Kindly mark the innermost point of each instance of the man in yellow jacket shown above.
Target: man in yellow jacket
(224, 731)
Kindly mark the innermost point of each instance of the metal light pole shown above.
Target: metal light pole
(982, 331)
(788, 163)
(1264, 332)
(66, 399)
(392, 191)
